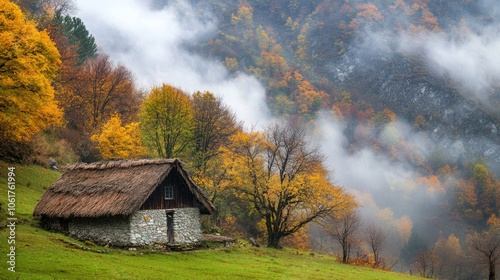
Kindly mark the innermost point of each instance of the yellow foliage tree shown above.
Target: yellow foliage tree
(119, 141)
(167, 121)
(29, 61)
(299, 240)
(283, 178)
(404, 226)
(244, 16)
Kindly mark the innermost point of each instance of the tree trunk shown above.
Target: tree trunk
(273, 240)
(492, 269)
(375, 259)
(345, 253)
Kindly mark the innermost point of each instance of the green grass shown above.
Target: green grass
(42, 255)
(31, 182)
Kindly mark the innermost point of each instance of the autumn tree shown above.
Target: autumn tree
(343, 229)
(300, 240)
(167, 121)
(72, 83)
(244, 16)
(449, 257)
(68, 72)
(376, 238)
(284, 179)
(425, 262)
(29, 62)
(119, 141)
(90, 95)
(477, 197)
(307, 98)
(100, 89)
(486, 247)
(107, 88)
(385, 117)
(46, 13)
(214, 123)
(39, 10)
(369, 12)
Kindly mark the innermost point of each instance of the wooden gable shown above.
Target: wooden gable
(182, 196)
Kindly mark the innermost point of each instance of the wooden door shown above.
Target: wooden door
(170, 227)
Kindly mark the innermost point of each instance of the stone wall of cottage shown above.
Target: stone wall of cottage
(187, 226)
(53, 224)
(148, 227)
(142, 228)
(113, 230)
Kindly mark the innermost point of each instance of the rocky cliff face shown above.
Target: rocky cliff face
(457, 124)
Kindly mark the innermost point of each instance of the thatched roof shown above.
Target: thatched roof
(110, 188)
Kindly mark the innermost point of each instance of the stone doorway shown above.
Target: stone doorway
(170, 226)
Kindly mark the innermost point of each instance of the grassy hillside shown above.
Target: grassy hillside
(43, 255)
(31, 182)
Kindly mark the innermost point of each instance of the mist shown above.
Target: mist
(154, 45)
(465, 56)
(470, 59)
(378, 179)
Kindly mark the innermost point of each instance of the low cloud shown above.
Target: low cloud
(471, 60)
(154, 43)
(365, 169)
(391, 182)
(465, 52)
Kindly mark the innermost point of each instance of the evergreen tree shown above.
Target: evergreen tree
(78, 36)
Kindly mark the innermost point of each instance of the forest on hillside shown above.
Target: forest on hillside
(375, 134)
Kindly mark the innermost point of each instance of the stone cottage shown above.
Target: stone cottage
(126, 203)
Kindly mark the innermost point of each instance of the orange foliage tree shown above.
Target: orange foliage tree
(432, 184)
(449, 257)
(369, 12)
(103, 89)
(283, 178)
(308, 99)
(478, 197)
(299, 240)
(89, 95)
